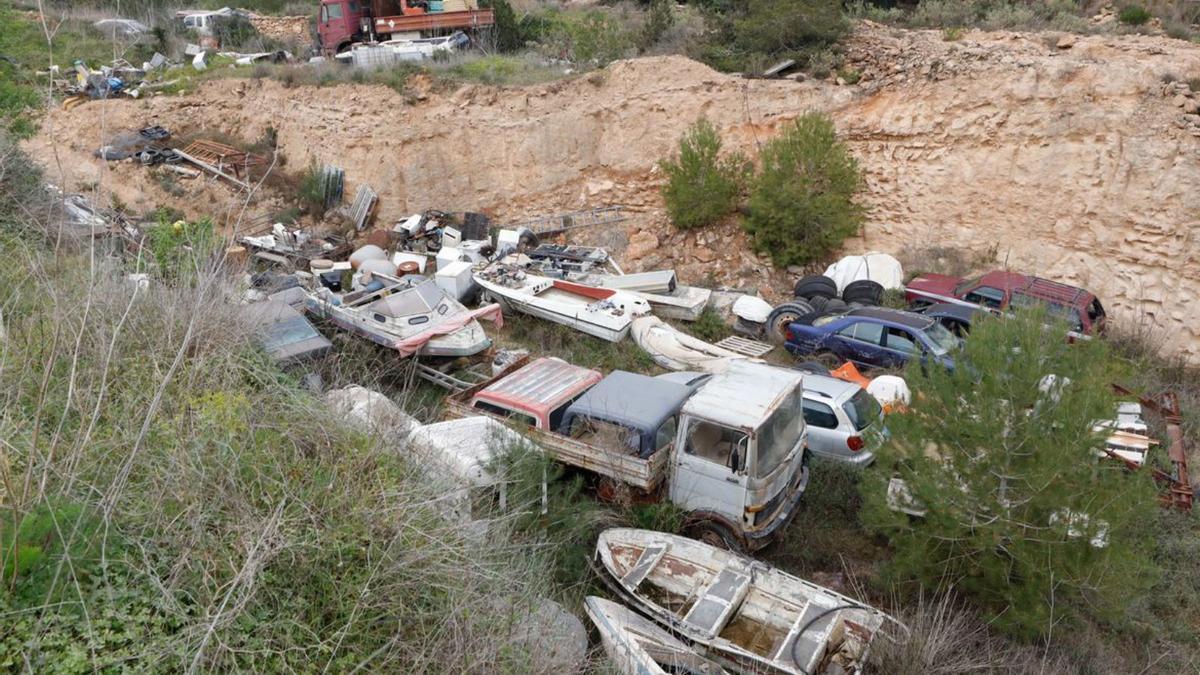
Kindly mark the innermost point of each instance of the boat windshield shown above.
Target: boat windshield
(780, 433)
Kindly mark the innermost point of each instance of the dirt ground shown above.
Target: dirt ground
(1070, 156)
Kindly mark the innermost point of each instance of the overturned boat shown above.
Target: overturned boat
(744, 613)
(412, 316)
(638, 647)
(601, 312)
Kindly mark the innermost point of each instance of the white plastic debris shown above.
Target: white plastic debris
(752, 308)
(200, 61)
(881, 268)
(890, 391)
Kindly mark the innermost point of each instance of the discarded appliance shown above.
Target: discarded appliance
(410, 316)
(457, 280)
(881, 268)
(601, 312)
(675, 350)
(284, 332)
(360, 209)
(666, 296)
(636, 646)
(741, 612)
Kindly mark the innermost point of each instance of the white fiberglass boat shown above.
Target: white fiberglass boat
(602, 312)
(410, 316)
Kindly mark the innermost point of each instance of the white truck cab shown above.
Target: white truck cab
(742, 461)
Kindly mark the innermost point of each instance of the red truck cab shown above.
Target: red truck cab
(1000, 290)
(341, 23)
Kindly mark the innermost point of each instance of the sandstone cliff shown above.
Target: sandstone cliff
(1073, 156)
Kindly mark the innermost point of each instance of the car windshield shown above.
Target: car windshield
(965, 284)
(941, 341)
(862, 409)
(779, 434)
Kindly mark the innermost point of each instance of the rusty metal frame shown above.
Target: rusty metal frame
(1179, 486)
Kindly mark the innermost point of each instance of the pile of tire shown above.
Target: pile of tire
(822, 292)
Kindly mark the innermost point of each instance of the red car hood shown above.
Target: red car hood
(933, 284)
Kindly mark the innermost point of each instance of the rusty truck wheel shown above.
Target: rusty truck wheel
(716, 535)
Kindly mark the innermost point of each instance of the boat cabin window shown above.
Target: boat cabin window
(380, 318)
(417, 320)
(716, 443)
(523, 418)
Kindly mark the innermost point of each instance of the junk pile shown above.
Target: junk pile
(151, 146)
(390, 53)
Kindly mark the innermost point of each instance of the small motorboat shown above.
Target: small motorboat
(601, 312)
(638, 647)
(412, 316)
(744, 613)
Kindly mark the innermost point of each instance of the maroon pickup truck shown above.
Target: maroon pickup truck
(998, 291)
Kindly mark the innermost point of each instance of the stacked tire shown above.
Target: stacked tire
(864, 293)
(816, 286)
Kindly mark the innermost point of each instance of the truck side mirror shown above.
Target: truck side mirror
(735, 460)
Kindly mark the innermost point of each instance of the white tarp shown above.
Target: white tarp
(878, 267)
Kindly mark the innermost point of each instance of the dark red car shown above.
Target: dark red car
(997, 291)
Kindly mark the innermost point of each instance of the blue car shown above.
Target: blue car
(873, 337)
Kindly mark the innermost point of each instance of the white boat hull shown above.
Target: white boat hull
(581, 316)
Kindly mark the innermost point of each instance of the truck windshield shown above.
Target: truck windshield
(862, 409)
(780, 433)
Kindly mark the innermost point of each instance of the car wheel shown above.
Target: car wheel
(784, 315)
(828, 360)
(816, 286)
(863, 291)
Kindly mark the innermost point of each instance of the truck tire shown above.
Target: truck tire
(716, 535)
(863, 291)
(783, 315)
(816, 285)
(835, 306)
(818, 303)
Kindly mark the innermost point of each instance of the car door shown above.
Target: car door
(824, 437)
(860, 343)
(710, 472)
(900, 345)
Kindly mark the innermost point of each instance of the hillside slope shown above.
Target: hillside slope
(1072, 157)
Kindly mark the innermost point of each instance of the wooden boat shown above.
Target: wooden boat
(750, 616)
(638, 647)
(412, 317)
(602, 312)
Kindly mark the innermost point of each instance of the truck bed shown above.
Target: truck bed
(643, 474)
(424, 23)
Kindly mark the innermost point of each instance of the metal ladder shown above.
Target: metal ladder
(544, 225)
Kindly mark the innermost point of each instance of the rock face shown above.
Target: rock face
(292, 30)
(1075, 162)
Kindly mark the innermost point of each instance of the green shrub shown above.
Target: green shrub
(1134, 15)
(710, 327)
(787, 27)
(952, 34)
(181, 248)
(702, 186)
(593, 36)
(802, 201)
(659, 18)
(1004, 467)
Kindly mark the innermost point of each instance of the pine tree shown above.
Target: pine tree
(1021, 515)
